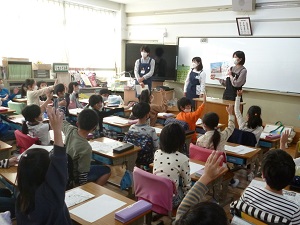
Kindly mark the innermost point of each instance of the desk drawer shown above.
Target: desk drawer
(102, 159)
(235, 160)
(265, 144)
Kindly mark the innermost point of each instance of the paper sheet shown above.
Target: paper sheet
(75, 111)
(48, 148)
(76, 196)
(240, 149)
(97, 208)
(115, 119)
(297, 161)
(157, 130)
(195, 167)
(105, 147)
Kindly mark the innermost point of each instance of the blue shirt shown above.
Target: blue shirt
(3, 93)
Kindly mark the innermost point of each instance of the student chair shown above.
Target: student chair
(243, 138)
(24, 141)
(201, 154)
(154, 189)
(145, 142)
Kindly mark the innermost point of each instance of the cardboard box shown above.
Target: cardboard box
(41, 66)
(5, 60)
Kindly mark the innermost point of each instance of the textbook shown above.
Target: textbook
(133, 211)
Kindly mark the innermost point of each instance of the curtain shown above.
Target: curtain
(57, 31)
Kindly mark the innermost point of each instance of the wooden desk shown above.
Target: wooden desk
(110, 218)
(173, 109)
(84, 101)
(116, 123)
(8, 111)
(4, 150)
(126, 113)
(218, 106)
(252, 158)
(75, 112)
(130, 95)
(8, 177)
(20, 100)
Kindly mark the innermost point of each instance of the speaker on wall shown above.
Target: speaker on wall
(243, 5)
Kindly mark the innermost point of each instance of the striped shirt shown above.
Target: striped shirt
(4, 163)
(273, 203)
(193, 197)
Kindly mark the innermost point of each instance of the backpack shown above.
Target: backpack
(145, 142)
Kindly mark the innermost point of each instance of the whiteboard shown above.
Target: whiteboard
(271, 63)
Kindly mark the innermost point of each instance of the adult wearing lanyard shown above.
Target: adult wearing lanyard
(236, 77)
(144, 68)
(194, 86)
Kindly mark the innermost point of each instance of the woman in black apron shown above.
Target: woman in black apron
(194, 86)
(144, 68)
(236, 77)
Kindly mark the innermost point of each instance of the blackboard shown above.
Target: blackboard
(272, 63)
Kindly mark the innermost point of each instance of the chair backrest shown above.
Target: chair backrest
(243, 138)
(182, 123)
(145, 142)
(201, 154)
(154, 189)
(71, 179)
(24, 141)
(18, 106)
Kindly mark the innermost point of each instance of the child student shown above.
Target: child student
(278, 170)
(80, 150)
(96, 103)
(60, 101)
(73, 90)
(213, 138)
(147, 97)
(42, 84)
(254, 122)
(33, 93)
(185, 106)
(169, 162)
(33, 124)
(42, 179)
(141, 111)
(104, 93)
(192, 209)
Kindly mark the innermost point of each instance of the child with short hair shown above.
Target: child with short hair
(42, 179)
(147, 97)
(104, 93)
(96, 103)
(278, 170)
(73, 97)
(81, 151)
(141, 111)
(33, 93)
(42, 84)
(33, 124)
(170, 163)
(185, 106)
(253, 123)
(60, 101)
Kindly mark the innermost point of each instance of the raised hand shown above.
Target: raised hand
(229, 109)
(284, 139)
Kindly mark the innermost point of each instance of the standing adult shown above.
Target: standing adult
(144, 68)
(194, 86)
(236, 77)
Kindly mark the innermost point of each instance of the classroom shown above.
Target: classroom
(89, 54)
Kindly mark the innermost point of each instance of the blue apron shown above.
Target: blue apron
(144, 68)
(191, 91)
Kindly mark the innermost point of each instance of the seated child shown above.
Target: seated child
(33, 124)
(192, 210)
(253, 123)
(278, 170)
(147, 97)
(213, 138)
(7, 132)
(96, 103)
(42, 84)
(141, 111)
(110, 99)
(80, 150)
(60, 101)
(104, 93)
(170, 163)
(33, 93)
(73, 97)
(5, 95)
(185, 106)
(42, 179)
